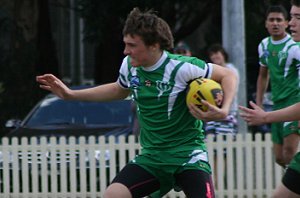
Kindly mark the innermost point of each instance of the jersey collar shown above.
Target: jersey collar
(158, 63)
(287, 37)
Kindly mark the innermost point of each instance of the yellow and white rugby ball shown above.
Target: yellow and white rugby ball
(204, 89)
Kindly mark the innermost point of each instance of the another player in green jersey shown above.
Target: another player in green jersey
(289, 187)
(173, 153)
(290, 182)
(279, 58)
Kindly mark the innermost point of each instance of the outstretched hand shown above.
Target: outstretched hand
(254, 116)
(52, 83)
(212, 113)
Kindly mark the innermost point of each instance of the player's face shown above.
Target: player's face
(276, 25)
(217, 58)
(183, 52)
(295, 23)
(139, 53)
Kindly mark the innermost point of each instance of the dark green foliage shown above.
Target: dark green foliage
(182, 16)
(26, 51)
(105, 20)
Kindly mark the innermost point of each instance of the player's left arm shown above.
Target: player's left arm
(228, 81)
(295, 53)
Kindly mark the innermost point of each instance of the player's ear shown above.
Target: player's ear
(155, 47)
(266, 24)
(286, 24)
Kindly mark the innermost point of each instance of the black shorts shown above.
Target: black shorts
(291, 180)
(194, 183)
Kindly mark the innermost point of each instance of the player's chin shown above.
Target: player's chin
(134, 63)
(296, 36)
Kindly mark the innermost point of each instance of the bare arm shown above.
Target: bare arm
(228, 81)
(257, 116)
(107, 92)
(261, 84)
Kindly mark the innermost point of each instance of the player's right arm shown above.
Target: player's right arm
(106, 92)
(257, 116)
(261, 84)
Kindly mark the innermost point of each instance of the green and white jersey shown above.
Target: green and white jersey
(283, 60)
(160, 92)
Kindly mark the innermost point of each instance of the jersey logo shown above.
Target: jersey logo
(148, 83)
(163, 86)
(274, 53)
(135, 82)
(266, 54)
(282, 55)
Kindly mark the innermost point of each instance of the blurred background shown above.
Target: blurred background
(81, 41)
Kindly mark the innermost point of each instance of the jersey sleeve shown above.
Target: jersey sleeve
(204, 69)
(192, 71)
(296, 58)
(193, 67)
(263, 53)
(295, 53)
(123, 74)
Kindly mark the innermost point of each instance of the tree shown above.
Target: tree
(105, 20)
(27, 50)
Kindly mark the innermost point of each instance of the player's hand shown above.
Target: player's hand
(254, 116)
(52, 83)
(212, 113)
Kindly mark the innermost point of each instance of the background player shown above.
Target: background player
(289, 188)
(279, 59)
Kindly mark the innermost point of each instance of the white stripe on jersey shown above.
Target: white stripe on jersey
(293, 54)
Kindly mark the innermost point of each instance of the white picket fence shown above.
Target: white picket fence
(66, 168)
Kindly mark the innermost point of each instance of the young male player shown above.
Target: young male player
(173, 149)
(289, 188)
(280, 61)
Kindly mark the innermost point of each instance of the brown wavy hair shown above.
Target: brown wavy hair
(151, 28)
(295, 3)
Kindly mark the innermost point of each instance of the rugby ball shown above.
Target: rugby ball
(204, 89)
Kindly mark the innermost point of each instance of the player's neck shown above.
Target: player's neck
(278, 37)
(155, 56)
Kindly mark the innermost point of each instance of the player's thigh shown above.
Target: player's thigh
(292, 140)
(195, 183)
(277, 148)
(138, 181)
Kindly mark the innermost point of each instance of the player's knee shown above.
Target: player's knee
(275, 196)
(117, 190)
(278, 193)
(109, 193)
(280, 161)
